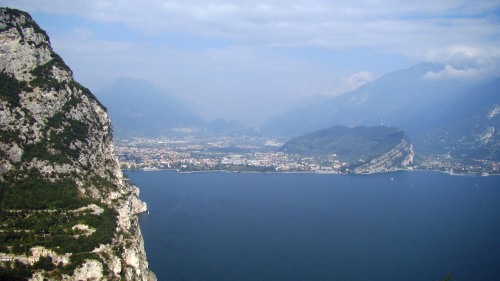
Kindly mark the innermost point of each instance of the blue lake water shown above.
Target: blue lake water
(393, 226)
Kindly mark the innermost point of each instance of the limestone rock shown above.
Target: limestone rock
(90, 270)
(56, 129)
(399, 157)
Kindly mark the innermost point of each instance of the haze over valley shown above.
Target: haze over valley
(455, 118)
(279, 71)
(250, 61)
(330, 135)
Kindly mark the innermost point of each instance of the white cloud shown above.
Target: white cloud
(230, 82)
(467, 62)
(248, 68)
(384, 24)
(449, 72)
(348, 83)
(357, 79)
(417, 29)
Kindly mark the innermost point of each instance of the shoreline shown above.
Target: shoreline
(316, 172)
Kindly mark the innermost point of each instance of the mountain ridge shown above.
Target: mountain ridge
(67, 212)
(470, 133)
(364, 149)
(395, 99)
(441, 116)
(140, 109)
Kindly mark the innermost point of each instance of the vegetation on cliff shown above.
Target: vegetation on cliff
(65, 211)
(349, 144)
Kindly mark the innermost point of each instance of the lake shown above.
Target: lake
(392, 226)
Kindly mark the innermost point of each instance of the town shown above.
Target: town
(257, 154)
(238, 154)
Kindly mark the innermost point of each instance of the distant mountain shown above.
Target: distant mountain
(397, 99)
(224, 127)
(469, 125)
(137, 108)
(456, 117)
(368, 149)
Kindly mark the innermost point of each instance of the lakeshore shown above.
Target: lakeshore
(260, 155)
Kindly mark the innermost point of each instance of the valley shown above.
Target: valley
(259, 154)
(291, 140)
(449, 125)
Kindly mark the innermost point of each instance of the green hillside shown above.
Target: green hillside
(349, 144)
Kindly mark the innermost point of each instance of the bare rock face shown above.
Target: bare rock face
(399, 157)
(365, 149)
(55, 133)
(21, 52)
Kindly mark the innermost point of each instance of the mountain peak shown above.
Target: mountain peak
(56, 159)
(24, 45)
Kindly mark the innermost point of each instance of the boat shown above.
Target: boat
(149, 169)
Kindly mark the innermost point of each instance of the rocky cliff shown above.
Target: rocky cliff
(66, 210)
(401, 156)
(364, 149)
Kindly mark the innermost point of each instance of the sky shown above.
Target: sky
(249, 60)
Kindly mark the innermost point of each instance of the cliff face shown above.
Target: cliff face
(364, 149)
(399, 157)
(56, 162)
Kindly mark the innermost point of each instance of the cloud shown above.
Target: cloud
(385, 24)
(268, 54)
(449, 72)
(230, 82)
(466, 62)
(357, 79)
(348, 83)
(416, 29)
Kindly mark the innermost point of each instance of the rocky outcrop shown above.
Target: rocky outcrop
(397, 158)
(362, 149)
(54, 129)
